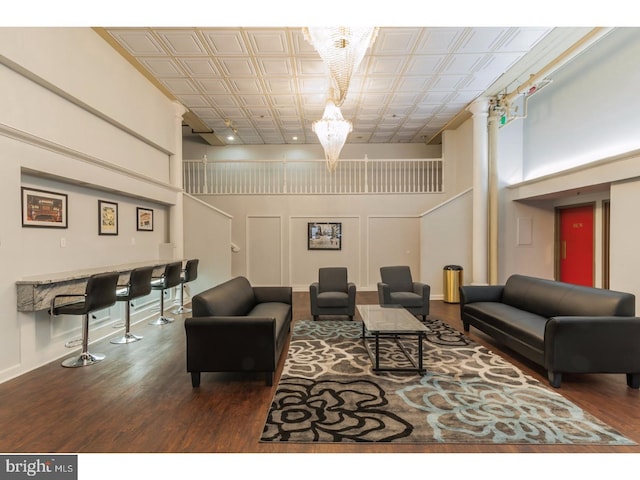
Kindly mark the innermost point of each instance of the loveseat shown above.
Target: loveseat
(236, 327)
(563, 327)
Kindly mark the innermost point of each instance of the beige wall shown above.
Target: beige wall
(76, 134)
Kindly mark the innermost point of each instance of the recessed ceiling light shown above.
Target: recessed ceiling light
(295, 138)
(230, 137)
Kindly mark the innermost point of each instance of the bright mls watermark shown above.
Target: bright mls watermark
(51, 467)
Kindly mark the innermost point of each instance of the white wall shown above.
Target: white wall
(194, 149)
(584, 126)
(445, 239)
(83, 122)
(376, 229)
(209, 240)
(625, 259)
(589, 111)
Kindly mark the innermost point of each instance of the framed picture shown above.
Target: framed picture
(107, 218)
(145, 219)
(324, 236)
(43, 209)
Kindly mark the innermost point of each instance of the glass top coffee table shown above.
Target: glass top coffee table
(391, 322)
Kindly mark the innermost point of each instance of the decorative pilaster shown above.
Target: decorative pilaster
(176, 212)
(480, 111)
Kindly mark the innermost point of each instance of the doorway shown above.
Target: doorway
(575, 244)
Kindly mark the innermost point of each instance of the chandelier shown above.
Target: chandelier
(332, 131)
(342, 49)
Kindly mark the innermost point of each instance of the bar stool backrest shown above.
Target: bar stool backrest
(100, 291)
(172, 274)
(140, 282)
(191, 270)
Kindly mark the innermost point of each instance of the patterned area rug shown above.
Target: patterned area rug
(328, 393)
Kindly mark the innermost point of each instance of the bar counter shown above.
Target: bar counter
(35, 292)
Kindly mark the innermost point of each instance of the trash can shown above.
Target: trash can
(452, 277)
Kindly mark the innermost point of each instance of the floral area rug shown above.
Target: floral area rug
(328, 393)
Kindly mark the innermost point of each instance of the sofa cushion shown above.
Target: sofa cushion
(280, 311)
(521, 324)
(231, 298)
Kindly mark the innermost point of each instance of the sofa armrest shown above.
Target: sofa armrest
(273, 294)
(480, 293)
(582, 344)
(221, 343)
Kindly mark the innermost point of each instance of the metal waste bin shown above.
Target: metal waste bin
(452, 277)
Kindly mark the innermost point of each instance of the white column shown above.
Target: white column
(176, 213)
(480, 111)
(492, 209)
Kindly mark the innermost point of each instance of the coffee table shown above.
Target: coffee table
(391, 322)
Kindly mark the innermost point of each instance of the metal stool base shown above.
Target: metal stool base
(180, 310)
(126, 338)
(162, 320)
(85, 359)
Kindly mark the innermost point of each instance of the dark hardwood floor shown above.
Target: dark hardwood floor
(140, 399)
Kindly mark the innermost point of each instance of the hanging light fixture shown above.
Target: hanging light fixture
(332, 131)
(342, 49)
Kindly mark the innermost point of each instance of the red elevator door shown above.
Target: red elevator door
(576, 262)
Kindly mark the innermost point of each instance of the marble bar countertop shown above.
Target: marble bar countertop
(36, 291)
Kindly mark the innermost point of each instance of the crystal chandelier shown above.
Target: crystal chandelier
(332, 131)
(342, 49)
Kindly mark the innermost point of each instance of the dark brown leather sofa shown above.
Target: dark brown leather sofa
(563, 327)
(236, 327)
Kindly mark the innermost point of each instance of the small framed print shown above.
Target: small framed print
(324, 236)
(145, 219)
(43, 209)
(107, 218)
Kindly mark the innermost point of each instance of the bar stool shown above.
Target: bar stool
(189, 274)
(139, 285)
(170, 278)
(100, 293)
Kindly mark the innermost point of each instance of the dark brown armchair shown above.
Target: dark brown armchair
(398, 288)
(332, 294)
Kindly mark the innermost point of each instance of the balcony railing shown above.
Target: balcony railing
(274, 177)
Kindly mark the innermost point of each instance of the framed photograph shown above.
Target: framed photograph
(43, 209)
(324, 236)
(107, 218)
(145, 219)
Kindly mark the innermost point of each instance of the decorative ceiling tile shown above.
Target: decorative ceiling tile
(200, 67)
(272, 81)
(138, 42)
(182, 42)
(162, 67)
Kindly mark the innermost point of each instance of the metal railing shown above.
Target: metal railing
(273, 177)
